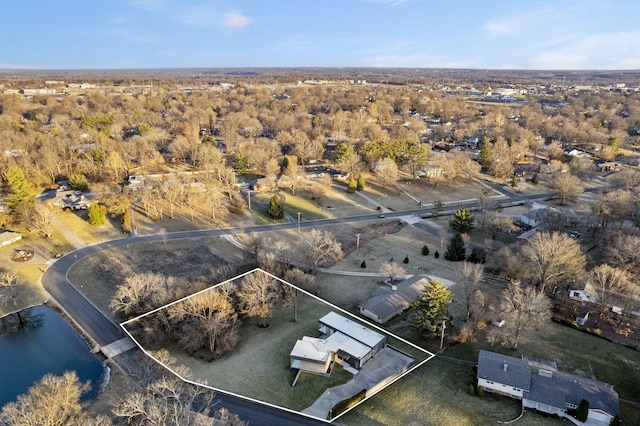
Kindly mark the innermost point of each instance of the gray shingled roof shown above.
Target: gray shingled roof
(491, 366)
(562, 388)
(387, 302)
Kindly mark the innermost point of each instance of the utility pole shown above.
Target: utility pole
(444, 320)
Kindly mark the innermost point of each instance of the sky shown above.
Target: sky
(481, 34)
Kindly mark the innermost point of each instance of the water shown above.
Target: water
(37, 341)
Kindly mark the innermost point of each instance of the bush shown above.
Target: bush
(583, 410)
(480, 391)
(471, 389)
(406, 259)
(425, 250)
(126, 221)
(436, 255)
(363, 264)
(478, 255)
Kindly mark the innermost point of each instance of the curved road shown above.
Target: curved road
(103, 332)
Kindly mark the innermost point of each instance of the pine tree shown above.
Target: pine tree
(484, 156)
(425, 250)
(97, 214)
(21, 195)
(242, 163)
(462, 220)
(456, 249)
(430, 309)
(583, 410)
(351, 187)
(535, 179)
(276, 209)
(360, 183)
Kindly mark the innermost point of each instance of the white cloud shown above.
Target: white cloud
(615, 50)
(235, 20)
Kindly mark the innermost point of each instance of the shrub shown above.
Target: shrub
(477, 255)
(406, 259)
(363, 264)
(583, 410)
(436, 255)
(535, 179)
(471, 389)
(425, 250)
(126, 221)
(480, 391)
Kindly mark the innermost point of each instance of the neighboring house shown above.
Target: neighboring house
(342, 339)
(9, 237)
(540, 386)
(581, 295)
(72, 200)
(608, 166)
(388, 302)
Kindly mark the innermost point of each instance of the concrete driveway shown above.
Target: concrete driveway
(385, 366)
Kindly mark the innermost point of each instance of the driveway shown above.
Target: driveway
(385, 366)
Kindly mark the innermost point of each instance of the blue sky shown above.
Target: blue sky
(530, 34)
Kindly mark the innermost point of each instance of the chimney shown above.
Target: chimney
(504, 367)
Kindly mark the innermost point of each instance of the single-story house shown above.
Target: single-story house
(342, 338)
(9, 237)
(73, 200)
(540, 386)
(581, 295)
(388, 302)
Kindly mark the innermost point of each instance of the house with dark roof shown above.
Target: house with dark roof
(540, 386)
(388, 302)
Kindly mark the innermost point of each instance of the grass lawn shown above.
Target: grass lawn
(77, 221)
(259, 367)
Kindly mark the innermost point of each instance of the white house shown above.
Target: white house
(342, 339)
(540, 386)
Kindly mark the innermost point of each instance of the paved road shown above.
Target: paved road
(103, 332)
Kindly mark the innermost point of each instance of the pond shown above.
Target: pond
(37, 341)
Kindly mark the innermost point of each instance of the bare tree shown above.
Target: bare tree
(392, 269)
(54, 400)
(291, 296)
(168, 401)
(317, 245)
(521, 308)
(624, 252)
(207, 321)
(469, 276)
(552, 257)
(44, 218)
(258, 295)
(565, 186)
(142, 292)
(608, 282)
(8, 282)
(387, 171)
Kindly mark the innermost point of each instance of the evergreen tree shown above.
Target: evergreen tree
(462, 220)
(583, 410)
(456, 249)
(97, 214)
(285, 163)
(126, 221)
(425, 250)
(535, 179)
(478, 255)
(79, 182)
(430, 309)
(484, 156)
(242, 162)
(360, 183)
(276, 209)
(351, 187)
(21, 195)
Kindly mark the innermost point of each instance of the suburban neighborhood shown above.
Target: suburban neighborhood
(306, 247)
